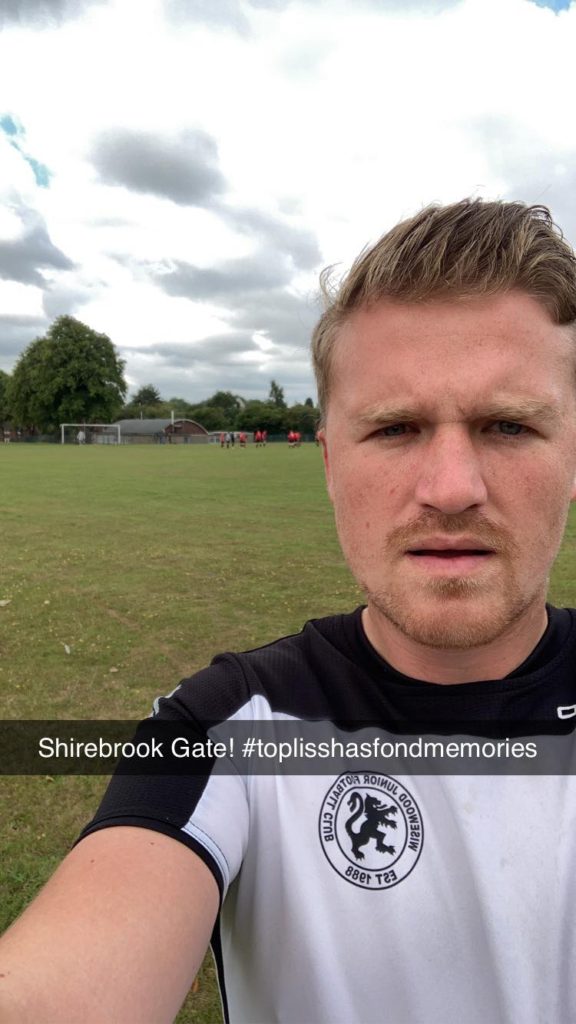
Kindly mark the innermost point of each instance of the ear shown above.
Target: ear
(573, 491)
(326, 459)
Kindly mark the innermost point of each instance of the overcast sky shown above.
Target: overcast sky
(175, 173)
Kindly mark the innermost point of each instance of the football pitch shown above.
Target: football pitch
(125, 569)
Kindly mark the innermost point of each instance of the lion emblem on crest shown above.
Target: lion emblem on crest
(376, 814)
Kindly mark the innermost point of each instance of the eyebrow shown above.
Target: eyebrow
(498, 410)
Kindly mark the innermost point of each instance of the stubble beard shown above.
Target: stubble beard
(454, 612)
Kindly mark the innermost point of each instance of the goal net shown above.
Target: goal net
(90, 433)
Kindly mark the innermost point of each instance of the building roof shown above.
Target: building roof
(151, 427)
(142, 426)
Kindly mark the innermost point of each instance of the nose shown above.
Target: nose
(450, 477)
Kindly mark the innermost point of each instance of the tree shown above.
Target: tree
(146, 395)
(133, 411)
(229, 404)
(219, 412)
(263, 416)
(276, 396)
(211, 417)
(182, 408)
(303, 418)
(145, 404)
(71, 375)
(4, 408)
(309, 402)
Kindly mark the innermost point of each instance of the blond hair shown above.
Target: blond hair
(470, 248)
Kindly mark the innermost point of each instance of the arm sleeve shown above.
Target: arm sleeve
(207, 812)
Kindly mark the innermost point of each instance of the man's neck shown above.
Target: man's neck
(450, 666)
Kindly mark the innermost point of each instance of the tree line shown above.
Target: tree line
(227, 411)
(75, 375)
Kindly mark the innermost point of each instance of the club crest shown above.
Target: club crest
(371, 829)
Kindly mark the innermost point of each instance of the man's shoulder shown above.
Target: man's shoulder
(287, 674)
(315, 632)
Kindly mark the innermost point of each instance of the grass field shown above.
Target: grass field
(142, 562)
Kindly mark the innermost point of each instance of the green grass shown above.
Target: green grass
(145, 562)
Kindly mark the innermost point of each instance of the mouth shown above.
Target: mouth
(450, 552)
(447, 556)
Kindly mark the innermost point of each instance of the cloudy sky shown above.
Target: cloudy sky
(175, 173)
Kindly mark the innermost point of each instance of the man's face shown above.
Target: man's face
(450, 452)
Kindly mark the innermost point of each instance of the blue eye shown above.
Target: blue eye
(509, 428)
(394, 430)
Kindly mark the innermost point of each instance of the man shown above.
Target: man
(446, 372)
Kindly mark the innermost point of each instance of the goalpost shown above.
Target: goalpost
(93, 433)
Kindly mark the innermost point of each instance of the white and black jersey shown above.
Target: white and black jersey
(369, 896)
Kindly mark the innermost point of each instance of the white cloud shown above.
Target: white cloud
(42, 13)
(323, 123)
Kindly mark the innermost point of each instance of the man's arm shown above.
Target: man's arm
(117, 934)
